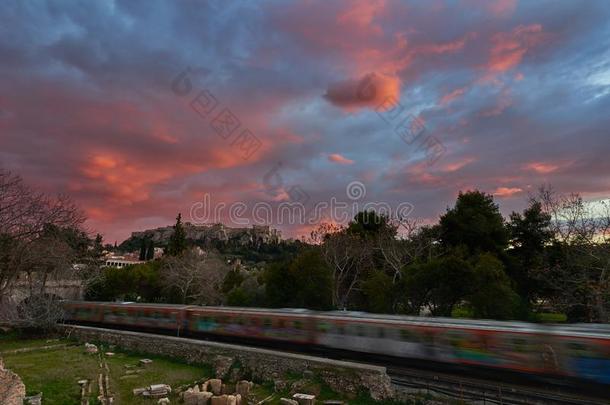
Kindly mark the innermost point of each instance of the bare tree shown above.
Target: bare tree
(580, 280)
(30, 253)
(196, 276)
(404, 243)
(347, 255)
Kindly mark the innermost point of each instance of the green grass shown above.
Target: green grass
(55, 372)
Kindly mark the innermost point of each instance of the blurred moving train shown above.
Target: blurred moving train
(581, 351)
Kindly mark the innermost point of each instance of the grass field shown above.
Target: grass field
(56, 371)
(54, 367)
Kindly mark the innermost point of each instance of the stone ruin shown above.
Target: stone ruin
(154, 391)
(12, 389)
(215, 392)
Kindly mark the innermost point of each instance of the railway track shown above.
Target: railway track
(479, 391)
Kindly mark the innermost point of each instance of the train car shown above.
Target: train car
(580, 351)
(146, 316)
(584, 351)
(83, 311)
(288, 325)
(516, 346)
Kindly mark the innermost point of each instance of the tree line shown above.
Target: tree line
(549, 262)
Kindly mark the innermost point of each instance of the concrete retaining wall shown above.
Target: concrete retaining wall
(260, 364)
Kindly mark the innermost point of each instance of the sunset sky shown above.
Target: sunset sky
(514, 95)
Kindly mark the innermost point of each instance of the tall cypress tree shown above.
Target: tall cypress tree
(177, 242)
(150, 250)
(142, 256)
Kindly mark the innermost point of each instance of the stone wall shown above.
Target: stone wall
(12, 389)
(259, 364)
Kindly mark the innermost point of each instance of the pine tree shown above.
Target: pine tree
(150, 250)
(177, 242)
(142, 256)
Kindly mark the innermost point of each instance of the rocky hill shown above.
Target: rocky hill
(208, 235)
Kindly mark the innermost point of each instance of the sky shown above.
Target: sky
(143, 109)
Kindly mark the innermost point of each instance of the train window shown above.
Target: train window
(341, 329)
(520, 345)
(267, 323)
(254, 322)
(360, 330)
(281, 324)
(298, 325)
(323, 327)
(406, 335)
(578, 349)
(381, 333)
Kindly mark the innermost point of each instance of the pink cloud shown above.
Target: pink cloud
(449, 97)
(542, 168)
(453, 167)
(507, 191)
(337, 158)
(509, 48)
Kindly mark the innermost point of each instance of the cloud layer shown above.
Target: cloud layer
(517, 94)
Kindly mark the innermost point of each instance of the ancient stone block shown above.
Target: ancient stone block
(243, 388)
(219, 400)
(204, 398)
(190, 398)
(215, 385)
(304, 399)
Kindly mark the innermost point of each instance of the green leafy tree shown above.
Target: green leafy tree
(474, 223)
(369, 224)
(493, 297)
(380, 292)
(140, 282)
(305, 282)
(177, 242)
(438, 285)
(530, 235)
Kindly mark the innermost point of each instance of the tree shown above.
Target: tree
(141, 282)
(530, 234)
(305, 282)
(349, 257)
(194, 277)
(150, 250)
(41, 241)
(577, 278)
(438, 285)
(381, 293)
(177, 242)
(492, 296)
(475, 223)
(142, 255)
